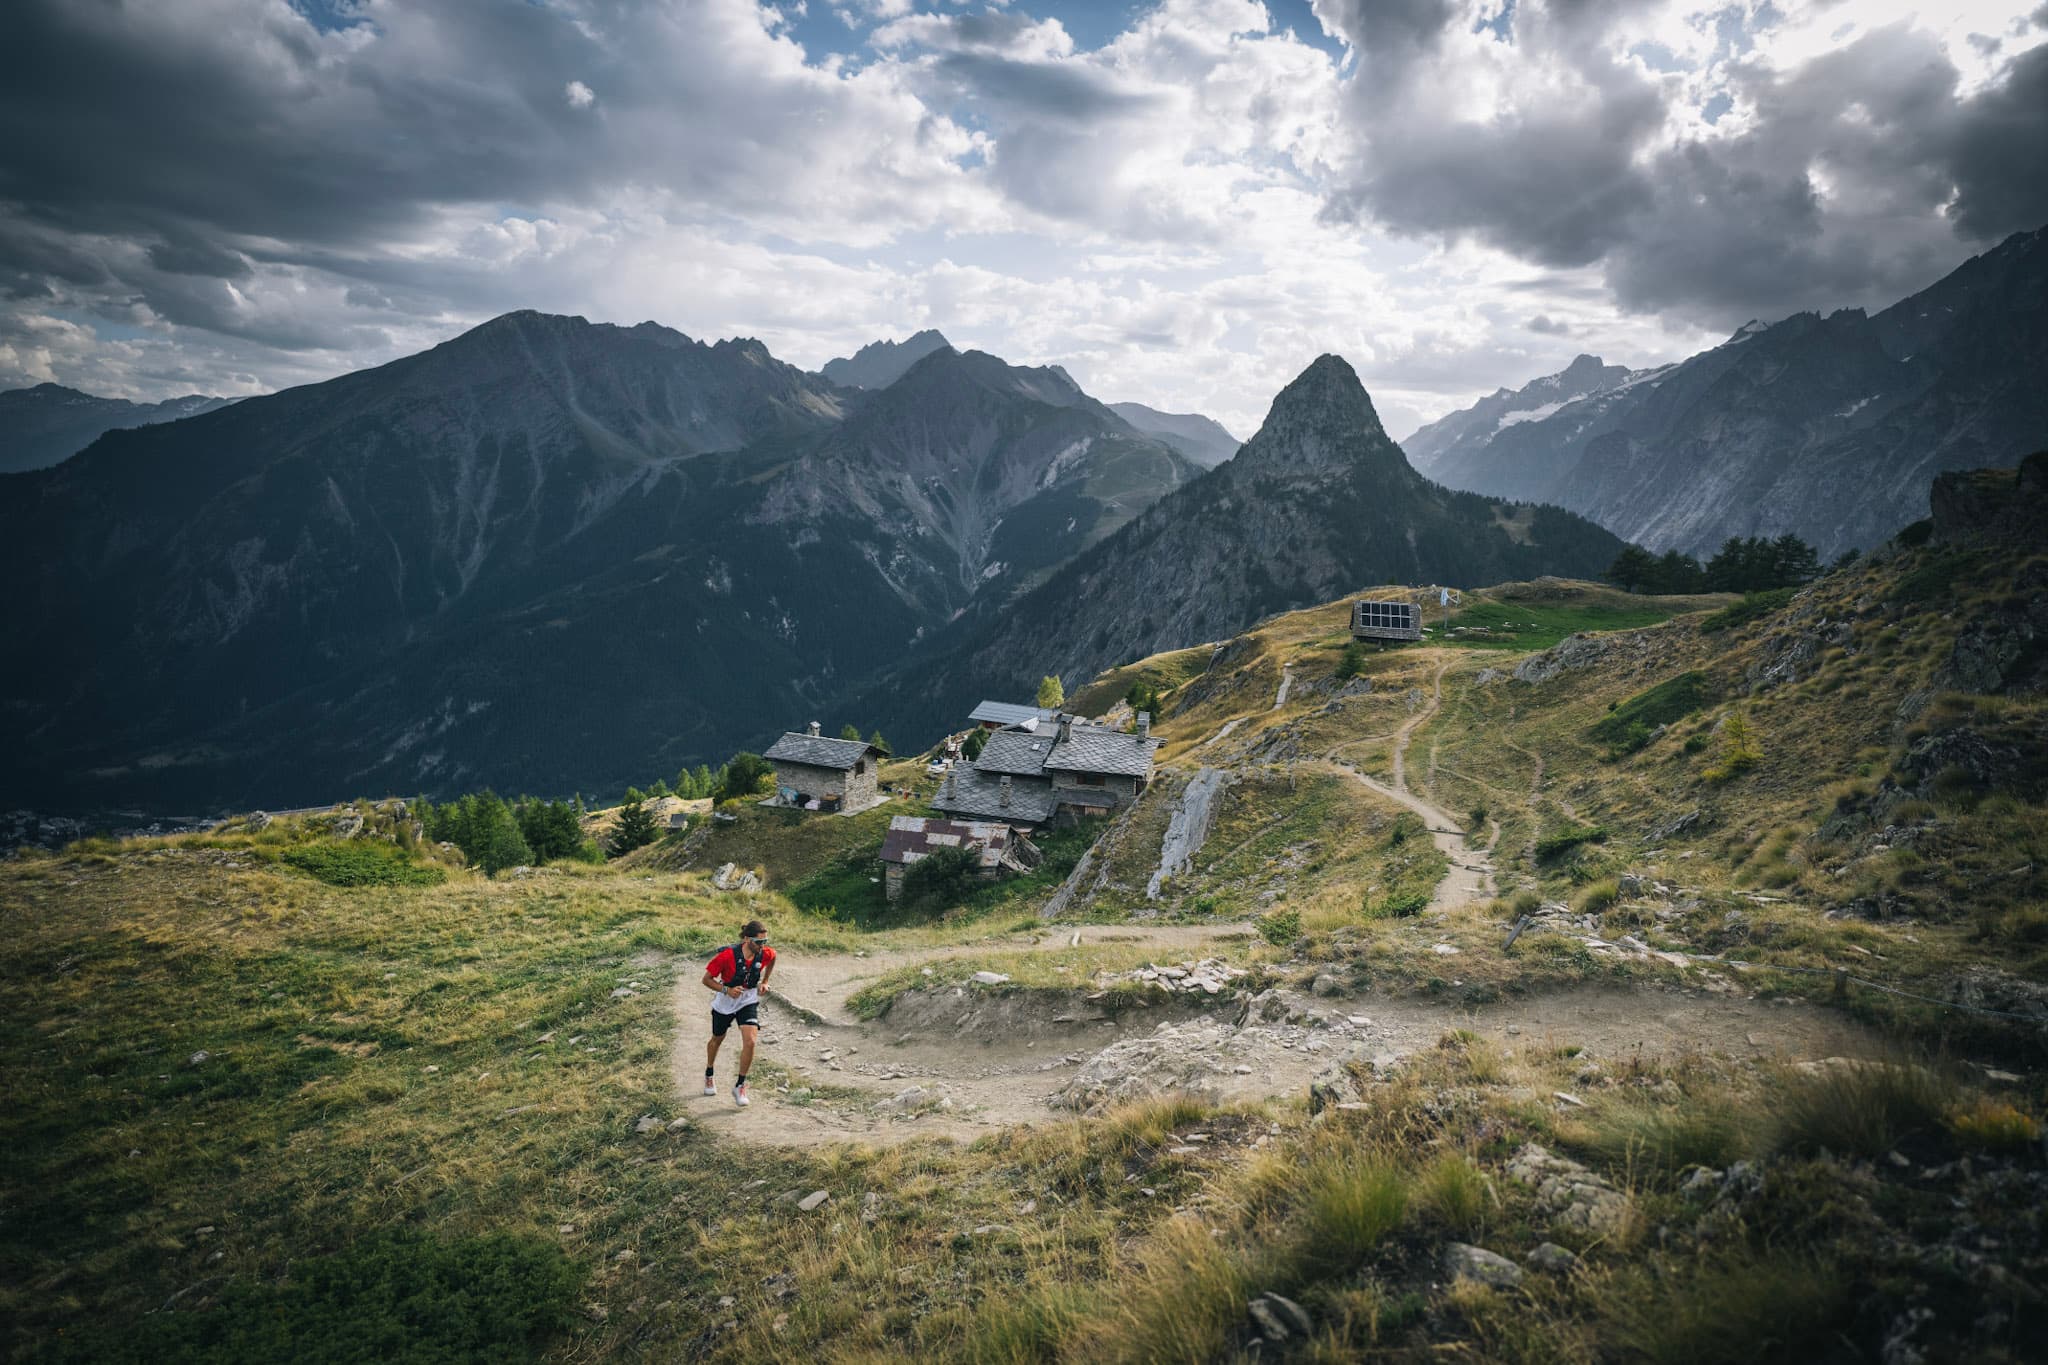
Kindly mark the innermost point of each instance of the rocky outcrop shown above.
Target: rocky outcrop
(1571, 1195)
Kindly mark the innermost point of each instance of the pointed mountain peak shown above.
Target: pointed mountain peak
(1323, 422)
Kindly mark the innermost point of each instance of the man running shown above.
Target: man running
(738, 975)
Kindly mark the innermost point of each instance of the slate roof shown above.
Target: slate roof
(967, 792)
(1006, 713)
(910, 837)
(1091, 749)
(818, 752)
(1018, 752)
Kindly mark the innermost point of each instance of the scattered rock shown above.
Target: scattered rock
(1279, 1318)
(1445, 949)
(905, 1099)
(1464, 1262)
(1326, 984)
(622, 993)
(812, 1200)
(1573, 1196)
(198, 1057)
(649, 1124)
(989, 978)
(1551, 1258)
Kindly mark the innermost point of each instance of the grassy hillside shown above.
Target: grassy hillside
(246, 1103)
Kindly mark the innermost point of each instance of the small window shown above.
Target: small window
(1089, 779)
(860, 765)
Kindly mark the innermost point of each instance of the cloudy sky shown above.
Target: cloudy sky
(1182, 202)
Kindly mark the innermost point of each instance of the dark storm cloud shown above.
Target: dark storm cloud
(152, 152)
(1851, 182)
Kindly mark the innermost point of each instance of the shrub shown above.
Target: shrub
(745, 775)
(392, 1296)
(357, 863)
(1994, 1125)
(1559, 842)
(977, 740)
(1279, 927)
(1351, 663)
(1401, 904)
(938, 881)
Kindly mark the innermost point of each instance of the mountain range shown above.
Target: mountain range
(1320, 502)
(545, 554)
(1829, 427)
(48, 423)
(879, 364)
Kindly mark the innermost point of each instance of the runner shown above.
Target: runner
(738, 975)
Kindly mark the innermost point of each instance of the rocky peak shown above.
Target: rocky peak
(1322, 424)
(879, 364)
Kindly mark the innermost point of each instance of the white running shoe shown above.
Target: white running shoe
(709, 1088)
(739, 1095)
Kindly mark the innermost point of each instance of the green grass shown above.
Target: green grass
(1523, 625)
(396, 1295)
(1749, 608)
(1628, 727)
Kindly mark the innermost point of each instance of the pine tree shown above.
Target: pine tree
(1633, 569)
(849, 731)
(495, 842)
(744, 774)
(1051, 694)
(634, 830)
(877, 740)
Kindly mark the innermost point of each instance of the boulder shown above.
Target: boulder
(1464, 1262)
(1326, 984)
(1551, 1258)
(812, 1200)
(1279, 1318)
(989, 978)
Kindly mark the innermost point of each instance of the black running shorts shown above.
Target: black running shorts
(749, 1015)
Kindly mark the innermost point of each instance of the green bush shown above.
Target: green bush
(745, 775)
(1351, 663)
(394, 1296)
(1279, 927)
(939, 881)
(1400, 904)
(1752, 605)
(362, 863)
(1559, 842)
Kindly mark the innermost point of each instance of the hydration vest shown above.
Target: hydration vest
(744, 973)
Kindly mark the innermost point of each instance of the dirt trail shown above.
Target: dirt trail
(1286, 686)
(1471, 875)
(986, 1061)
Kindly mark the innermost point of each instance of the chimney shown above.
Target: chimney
(1144, 724)
(1003, 793)
(814, 729)
(947, 792)
(1066, 728)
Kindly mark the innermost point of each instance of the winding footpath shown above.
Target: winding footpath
(1471, 874)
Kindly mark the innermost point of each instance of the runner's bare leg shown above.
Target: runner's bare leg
(747, 1032)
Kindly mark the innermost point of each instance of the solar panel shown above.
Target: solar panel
(1386, 621)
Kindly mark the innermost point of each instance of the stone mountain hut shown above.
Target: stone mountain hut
(816, 773)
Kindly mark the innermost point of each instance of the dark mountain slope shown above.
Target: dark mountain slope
(1320, 502)
(545, 555)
